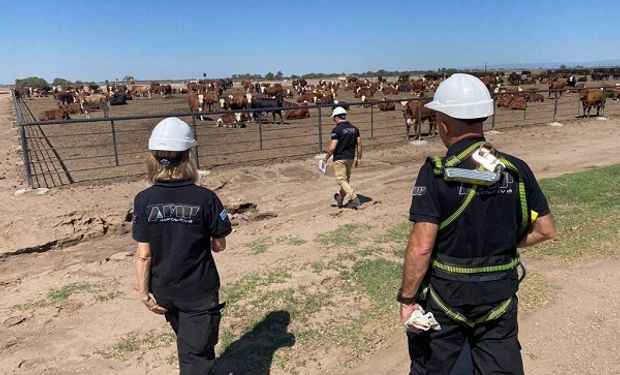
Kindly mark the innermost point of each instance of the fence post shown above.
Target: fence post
(418, 132)
(494, 110)
(25, 154)
(555, 105)
(372, 120)
(114, 142)
(196, 138)
(22, 138)
(320, 131)
(260, 133)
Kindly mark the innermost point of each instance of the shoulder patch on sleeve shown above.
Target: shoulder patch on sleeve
(419, 191)
(223, 214)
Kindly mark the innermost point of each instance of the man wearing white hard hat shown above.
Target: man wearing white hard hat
(472, 209)
(345, 141)
(178, 225)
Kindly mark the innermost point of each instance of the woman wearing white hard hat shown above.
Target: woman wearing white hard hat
(178, 225)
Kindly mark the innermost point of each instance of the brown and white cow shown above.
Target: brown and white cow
(230, 120)
(54, 114)
(415, 114)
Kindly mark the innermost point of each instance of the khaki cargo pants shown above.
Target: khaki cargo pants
(342, 170)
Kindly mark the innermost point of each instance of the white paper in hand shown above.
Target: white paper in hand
(322, 166)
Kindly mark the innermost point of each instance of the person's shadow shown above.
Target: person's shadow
(253, 352)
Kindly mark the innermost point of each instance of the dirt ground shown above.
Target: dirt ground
(79, 235)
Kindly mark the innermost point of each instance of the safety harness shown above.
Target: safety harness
(442, 264)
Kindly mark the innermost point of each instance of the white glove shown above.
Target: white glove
(423, 321)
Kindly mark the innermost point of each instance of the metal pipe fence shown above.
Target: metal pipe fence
(57, 153)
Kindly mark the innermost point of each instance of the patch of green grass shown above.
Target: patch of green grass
(58, 296)
(377, 279)
(347, 234)
(534, 291)
(399, 233)
(586, 210)
(291, 240)
(260, 245)
(132, 343)
(108, 296)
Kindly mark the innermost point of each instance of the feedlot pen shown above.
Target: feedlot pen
(97, 150)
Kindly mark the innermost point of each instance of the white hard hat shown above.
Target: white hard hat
(338, 111)
(172, 134)
(462, 96)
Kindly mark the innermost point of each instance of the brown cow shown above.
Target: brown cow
(387, 106)
(247, 85)
(389, 90)
(513, 102)
(275, 90)
(557, 84)
(54, 114)
(592, 98)
(74, 108)
(90, 102)
(413, 111)
(417, 86)
(298, 113)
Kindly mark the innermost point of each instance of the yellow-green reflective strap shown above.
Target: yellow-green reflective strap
(477, 269)
(470, 196)
(455, 315)
(455, 160)
(525, 216)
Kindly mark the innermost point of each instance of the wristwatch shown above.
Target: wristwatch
(404, 300)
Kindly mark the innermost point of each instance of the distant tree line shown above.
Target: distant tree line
(38, 82)
(381, 72)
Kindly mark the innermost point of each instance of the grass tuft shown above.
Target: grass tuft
(347, 234)
(132, 343)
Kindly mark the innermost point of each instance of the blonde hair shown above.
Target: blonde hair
(181, 165)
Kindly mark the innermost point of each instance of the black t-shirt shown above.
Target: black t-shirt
(346, 134)
(178, 219)
(486, 231)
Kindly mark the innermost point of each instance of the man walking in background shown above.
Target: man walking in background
(345, 140)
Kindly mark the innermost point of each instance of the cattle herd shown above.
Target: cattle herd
(252, 100)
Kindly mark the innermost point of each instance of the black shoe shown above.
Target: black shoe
(338, 199)
(354, 203)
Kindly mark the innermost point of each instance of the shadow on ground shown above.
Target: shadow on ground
(253, 352)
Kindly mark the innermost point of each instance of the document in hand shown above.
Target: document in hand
(322, 166)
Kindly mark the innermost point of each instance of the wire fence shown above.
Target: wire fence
(57, 153)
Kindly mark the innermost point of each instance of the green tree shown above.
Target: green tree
(269, 76)
(563, 66)
(35, 82)
(279, 74)
(60, 82)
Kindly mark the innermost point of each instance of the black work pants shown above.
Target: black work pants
(196, 324)
(494, 345)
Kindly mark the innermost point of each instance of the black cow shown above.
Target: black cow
(571, 82)
(268, 105)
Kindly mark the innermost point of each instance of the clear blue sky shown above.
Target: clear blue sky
(165, 39)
